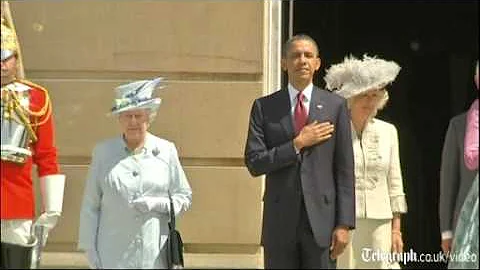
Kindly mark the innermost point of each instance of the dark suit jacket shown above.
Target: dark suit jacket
(325, 170)
(455, 178)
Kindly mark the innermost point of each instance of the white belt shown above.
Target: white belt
(17, 231)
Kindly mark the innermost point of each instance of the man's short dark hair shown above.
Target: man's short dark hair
(290, 41)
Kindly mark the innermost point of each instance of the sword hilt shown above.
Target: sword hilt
(40, 233)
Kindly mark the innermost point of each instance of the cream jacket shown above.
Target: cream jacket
(379, 185)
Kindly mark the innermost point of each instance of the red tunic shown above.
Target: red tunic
(17, 192)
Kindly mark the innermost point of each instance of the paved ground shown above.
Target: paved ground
(76, 260)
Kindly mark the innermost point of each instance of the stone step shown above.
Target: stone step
(77, 260)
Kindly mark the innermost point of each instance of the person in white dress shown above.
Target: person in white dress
(125, 210)
(380, 199)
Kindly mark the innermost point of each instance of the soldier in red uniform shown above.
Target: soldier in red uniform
(27, 138)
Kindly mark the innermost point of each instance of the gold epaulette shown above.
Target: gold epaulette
(32, 84)
(46, 110)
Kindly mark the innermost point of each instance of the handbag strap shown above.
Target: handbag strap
(172, 212)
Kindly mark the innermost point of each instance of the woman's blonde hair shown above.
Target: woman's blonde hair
(380, 104)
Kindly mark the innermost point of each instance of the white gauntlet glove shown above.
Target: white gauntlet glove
(147, 204)
(48, 221)
(51, 188)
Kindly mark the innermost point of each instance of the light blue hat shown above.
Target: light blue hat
(137, 95)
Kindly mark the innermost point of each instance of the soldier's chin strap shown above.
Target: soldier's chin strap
(52, 190)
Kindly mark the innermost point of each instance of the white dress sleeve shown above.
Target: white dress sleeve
(179, 187)
(398, 202)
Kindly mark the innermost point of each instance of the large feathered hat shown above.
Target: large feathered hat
(354, 76)
(137, 95)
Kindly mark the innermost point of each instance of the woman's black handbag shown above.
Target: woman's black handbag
(174, 242)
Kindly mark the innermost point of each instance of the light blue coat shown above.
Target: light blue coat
(465, 243)
(113, 232)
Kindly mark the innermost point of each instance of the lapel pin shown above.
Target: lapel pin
(319, 106)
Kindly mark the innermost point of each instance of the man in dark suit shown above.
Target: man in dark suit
(457, 173)
(455, 179)
(305, 150)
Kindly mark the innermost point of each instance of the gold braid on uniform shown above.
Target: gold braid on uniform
(45, 111)
(11, 103)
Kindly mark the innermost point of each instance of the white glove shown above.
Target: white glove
(51, 188)
(147, 204)
(92, 257)
(47, 220)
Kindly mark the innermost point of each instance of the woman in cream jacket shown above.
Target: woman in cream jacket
(380, 199)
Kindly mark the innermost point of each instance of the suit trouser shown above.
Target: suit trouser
(15, 256)
(303, 253)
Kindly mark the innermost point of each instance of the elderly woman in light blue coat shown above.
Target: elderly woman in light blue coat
(125, 210)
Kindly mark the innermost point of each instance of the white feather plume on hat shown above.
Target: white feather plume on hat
(354, 76)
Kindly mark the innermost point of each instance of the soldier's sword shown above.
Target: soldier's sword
(39, 233)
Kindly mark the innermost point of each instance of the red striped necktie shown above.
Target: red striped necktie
(300, 113)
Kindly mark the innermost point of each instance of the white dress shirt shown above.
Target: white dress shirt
(292, 92)
(307, 93)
